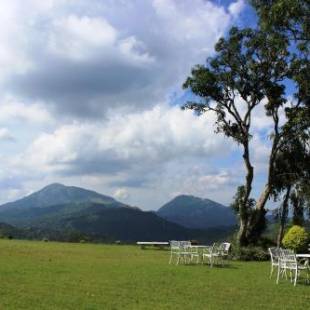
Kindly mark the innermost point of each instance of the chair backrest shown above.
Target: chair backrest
(288, 258)
(216, 248)
(174, 245)
(221, 248)
(274, 255)
(286, 251)
(185, 245)
(226, 247)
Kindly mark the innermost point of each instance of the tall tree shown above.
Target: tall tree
(249, 67)
(291, 174)
(289, 18)
(253, 66)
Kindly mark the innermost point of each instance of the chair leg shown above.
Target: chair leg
(296, 274)
(271, 272)
(278, 275)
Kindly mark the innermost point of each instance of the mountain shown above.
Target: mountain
(9, 231)
(54, 199)
(194, 212)
(126, 224)
(55, 194)
(67, 213)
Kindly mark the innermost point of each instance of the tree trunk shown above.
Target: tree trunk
(263, 197)
(257, 221)
(243, 208)
(241, 237)
(283, 216)
(257, 226)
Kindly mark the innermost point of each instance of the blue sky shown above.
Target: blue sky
(90, 96)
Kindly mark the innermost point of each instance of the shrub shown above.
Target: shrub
(250, 253)
(296, 239)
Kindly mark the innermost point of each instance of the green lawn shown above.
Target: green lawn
(39, 275)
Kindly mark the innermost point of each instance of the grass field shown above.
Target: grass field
(38, 275)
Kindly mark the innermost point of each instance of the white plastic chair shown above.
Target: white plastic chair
(195, 254)
(289, 262)
(181, 250)
(185, 252)
(274, 259)
(217, 253)
(211, 253)
(174, 250)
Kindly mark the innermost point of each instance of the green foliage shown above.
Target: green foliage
(296, 238)
(250, 253)
(238, 198)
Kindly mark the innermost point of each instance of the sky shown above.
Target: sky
(91, 94)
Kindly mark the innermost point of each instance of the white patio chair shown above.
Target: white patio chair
(185, 252)
(181, 251)
(274, 259)
(289, 262)
(174, 250)
(195, 254)
(224, 249)
(211, 253)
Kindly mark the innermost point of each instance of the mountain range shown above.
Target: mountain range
(59, 212)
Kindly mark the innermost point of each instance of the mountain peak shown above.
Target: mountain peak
(195, 212)
(54, 185)
(56, 194)
(189, 199)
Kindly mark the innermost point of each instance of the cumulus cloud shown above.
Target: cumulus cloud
(123, 142)
(5, 135)
(235, 8)
(14, 109)
(84, 59)
(82, 86)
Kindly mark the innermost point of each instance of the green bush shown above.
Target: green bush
(296, 239)
(250, 253)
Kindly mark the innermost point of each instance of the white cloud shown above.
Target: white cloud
(14, 109)
(80, 37)
(73, 63)
(5, 135)
(155, 136)
(84, 58)
(235, 8)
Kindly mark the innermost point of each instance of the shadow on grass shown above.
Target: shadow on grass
(228, 266)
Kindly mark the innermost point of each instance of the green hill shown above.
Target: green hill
(56, 194)
(194, 212)
(59, 212)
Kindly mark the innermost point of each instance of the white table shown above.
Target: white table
(303, 255)
(143, 244)
(304, 258)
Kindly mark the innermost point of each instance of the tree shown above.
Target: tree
(291, 174)
(249, 67)
(290, 18)
(253, 66)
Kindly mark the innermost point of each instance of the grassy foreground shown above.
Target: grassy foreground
(38, 275)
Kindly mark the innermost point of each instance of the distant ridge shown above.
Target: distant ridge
(69, 213)
(56, 194)
(193, 212)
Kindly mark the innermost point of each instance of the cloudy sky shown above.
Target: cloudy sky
(91, 92)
